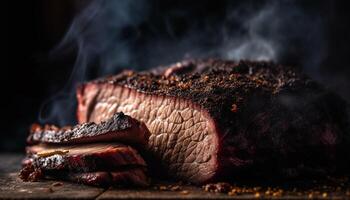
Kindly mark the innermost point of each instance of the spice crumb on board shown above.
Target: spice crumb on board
(184, 192)
(337, 187)
(234, 108)
(57, 184)
(257, 195)
(168, 187)
(175, 188)
(310, 196)
(221, 187)
(163, 187)
(324, 194)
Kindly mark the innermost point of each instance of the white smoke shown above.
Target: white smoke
(253, 45)
(96, 34)
(110, 35)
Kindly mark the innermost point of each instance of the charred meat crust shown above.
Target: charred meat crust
(219, 85)
(119, 127)
(30, 173)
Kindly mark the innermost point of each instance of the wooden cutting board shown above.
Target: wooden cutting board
(11, 187)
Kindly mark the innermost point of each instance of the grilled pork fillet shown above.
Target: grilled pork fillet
(212, 118)
(118, 127)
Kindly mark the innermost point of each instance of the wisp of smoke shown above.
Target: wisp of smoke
(110, 35)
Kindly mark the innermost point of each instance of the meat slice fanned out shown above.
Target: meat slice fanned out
(212, 118)
(119, 127)
(92, 164)
(81, 153)
(84, 158)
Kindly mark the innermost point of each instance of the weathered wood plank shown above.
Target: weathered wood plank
(10, 162)
(193, 192)
(11, 187)
(187, 192)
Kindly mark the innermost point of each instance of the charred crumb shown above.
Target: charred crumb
(217, 187)
(178, 69)
(175, 188)
(184, 192)
(30, 173)
(234, 108)
(257, 195)
(168, 187)
(163, 188)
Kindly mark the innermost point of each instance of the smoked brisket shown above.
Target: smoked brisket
(214, 119)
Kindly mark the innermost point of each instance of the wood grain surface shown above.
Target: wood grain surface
(11, 187)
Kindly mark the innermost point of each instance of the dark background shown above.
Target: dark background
(33, 28)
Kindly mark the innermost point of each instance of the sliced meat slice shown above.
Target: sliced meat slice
(119, 127)
(84, 158)
(133, 176)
